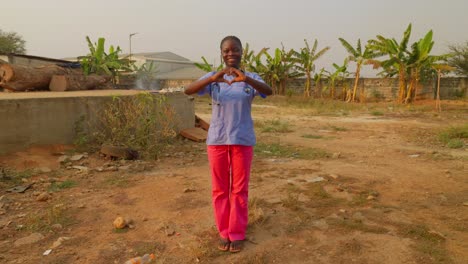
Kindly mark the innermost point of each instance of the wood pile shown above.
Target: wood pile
(16, 78)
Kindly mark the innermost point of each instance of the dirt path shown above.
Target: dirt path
(354, 188)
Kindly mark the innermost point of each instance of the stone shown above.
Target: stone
(120, 223)
(76, 157)
(336, 155)
(43, 197)
(31, 239)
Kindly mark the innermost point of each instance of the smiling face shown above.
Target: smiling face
(231, 50)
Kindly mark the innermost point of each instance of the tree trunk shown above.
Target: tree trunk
(76, 82)
(439, 108)
(356, 81)
(307, 85)
(402, 85)
(21, 78)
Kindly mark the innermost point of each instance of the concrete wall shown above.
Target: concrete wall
(387, 88)
(51, 117)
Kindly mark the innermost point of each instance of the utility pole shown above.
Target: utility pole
(130, 40)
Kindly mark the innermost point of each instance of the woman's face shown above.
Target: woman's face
(232, 53)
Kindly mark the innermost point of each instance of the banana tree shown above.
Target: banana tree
(340, 73)
(281, 69)
(100, 62)
(305, 62)
(318, 81)
(398, 58)
(360, 57)
(205, 66)
(419, 61)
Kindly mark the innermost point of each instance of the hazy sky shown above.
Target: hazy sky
(193, 28)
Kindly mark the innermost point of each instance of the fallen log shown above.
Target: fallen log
(22, 78)
(77, 82)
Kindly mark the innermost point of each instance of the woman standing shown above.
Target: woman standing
(230, 140)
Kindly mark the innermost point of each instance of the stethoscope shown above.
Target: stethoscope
(215, 99)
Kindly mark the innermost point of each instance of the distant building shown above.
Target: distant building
(171, 71)
(29, 60)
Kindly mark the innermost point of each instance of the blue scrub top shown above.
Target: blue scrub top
(231, 121)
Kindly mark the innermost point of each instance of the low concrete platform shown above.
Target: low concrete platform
(41, 118)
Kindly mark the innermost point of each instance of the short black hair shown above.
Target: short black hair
(234, 38)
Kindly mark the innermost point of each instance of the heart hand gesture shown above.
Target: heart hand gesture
(239, 76)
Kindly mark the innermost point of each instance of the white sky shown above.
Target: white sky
(194, 28)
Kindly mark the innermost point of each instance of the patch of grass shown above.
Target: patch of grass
(357, 225)
(44, 219)
(10, 177)
(261, 257)
(361, 198)
(286, 151)
(430, 245)
(312, 136)
(145, 122)
(57, 186)
(291, 201)
(256, 213)
(455, 136)
(339, 129)
(377, 113)
(120, 230)
(315, 190)
(118, 180)
(275, 126)
(142, 247)
(206, 246)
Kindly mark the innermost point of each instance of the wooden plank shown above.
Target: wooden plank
(195, 133)
(201, 123)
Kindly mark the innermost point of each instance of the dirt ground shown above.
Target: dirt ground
(343, 186)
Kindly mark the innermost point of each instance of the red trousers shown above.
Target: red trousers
(230, 173)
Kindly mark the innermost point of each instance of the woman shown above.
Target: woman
(230, 140)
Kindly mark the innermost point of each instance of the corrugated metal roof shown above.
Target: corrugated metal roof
(188, 73)
(165, 55)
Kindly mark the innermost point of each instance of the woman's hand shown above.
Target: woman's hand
(239, 76)
(219, 76)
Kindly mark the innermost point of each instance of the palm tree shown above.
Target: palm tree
(398, 58)
(360, 57)
(306, 59)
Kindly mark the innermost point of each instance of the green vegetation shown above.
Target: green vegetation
(10, 177)
(459, 58)
(44, 219)
(275, 126)
(11, 42)
(278, 150)
(57, 186)
(99, 61)
(454, 137)
(144, 122)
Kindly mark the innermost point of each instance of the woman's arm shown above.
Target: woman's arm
(200, 84)
(261, 87)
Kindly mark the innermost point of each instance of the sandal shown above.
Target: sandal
(236, 246)
(224, 244)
